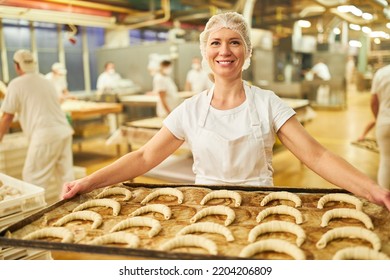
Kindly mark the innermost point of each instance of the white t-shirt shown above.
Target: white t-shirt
(231, 124)
(34, 99)
(199, 80)
(107, 81)
(322, 71)
(166, 84)
(381, 87)
(60, 83)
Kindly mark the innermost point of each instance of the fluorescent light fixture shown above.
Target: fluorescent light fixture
(56, 17)
(366, 29)
(355, 27)
(336, 31)
(355, 44)
(367, 16)
(379, 34)
(304, 23)
(350, 9)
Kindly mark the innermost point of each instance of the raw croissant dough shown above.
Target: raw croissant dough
(350, 232)
(282, 195)
(139, 222)
(340, 197)
(216, 210)
(164, 191)
(222, 194)
(207, 227)
(115, 190)
(132, 240)
(277, 245)
(81, 215)
(58, 232)
(278, 226)
(160, 208)
(281, 210)
(359, 253)
(190, 241)
(105, 202)
(346, 213)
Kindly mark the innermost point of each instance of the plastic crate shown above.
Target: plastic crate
(32, 197)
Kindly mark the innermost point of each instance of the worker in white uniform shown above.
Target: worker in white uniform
(58, 76)
(231, 128)
(106, 83)
(166, 89)
(380, 106)
(108, 80)
(321, 71)
(34, 99)
(197, 79)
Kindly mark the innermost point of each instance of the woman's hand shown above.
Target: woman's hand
(80, 186)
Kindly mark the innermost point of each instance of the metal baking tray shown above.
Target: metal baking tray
(380, 216)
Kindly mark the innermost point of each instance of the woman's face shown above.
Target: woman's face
(225, 52)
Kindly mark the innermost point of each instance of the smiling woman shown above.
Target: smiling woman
(231, 128)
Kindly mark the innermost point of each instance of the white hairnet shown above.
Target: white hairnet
(233, 21)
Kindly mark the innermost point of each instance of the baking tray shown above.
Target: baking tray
(245, 220)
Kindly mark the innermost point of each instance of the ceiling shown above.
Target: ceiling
(278, 16)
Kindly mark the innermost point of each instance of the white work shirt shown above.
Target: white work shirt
(199, 80)
(60, 83)
(34, 99)
(381, 87)
(107, 81)
(167, 85)
(322, 71)
(231, 124)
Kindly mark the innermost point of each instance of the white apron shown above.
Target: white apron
(242, 161)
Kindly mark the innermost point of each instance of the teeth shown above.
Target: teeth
(224, 62)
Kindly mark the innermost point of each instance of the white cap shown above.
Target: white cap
(59, 68)
(25, 60)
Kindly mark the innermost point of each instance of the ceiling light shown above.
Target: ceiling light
(367, 16)
(388, 25)
(355, 27)
(304, 23)
(377, 41)
(336, 31)
(355, 44)
(366, 29)
(379, 34)
(350, 9)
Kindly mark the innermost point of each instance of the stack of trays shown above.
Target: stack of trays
(23, 200)
(13, 152)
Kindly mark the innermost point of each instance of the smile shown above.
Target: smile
(225, 62)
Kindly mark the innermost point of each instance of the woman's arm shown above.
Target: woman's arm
(330, 166)
(129, 166)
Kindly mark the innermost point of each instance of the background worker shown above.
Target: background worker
(197, 79)
(58, 77)
(33, 98)
(166, 89)
(108, 80)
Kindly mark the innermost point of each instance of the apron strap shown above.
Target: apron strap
(254, 117)
(206, 108)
